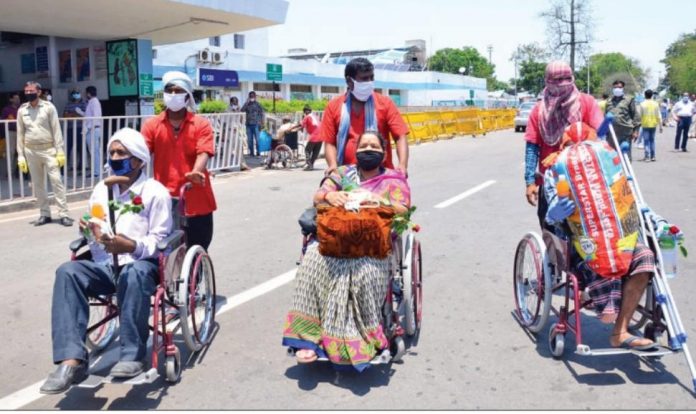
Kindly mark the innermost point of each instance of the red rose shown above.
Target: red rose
(416, 228)
(674, 229)
(138, 201)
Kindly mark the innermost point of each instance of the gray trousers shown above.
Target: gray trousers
(77, 281)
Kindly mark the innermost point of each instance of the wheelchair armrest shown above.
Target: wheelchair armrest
(171, 241)
(76, 245)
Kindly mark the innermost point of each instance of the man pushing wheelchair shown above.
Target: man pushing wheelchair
(123, 262)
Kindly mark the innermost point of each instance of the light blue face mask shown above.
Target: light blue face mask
(76, 96)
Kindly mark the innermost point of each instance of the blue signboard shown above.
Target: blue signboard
(42, 59)
(217, 77)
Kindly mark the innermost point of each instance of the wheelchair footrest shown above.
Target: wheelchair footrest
(585, 350)
(147, 377)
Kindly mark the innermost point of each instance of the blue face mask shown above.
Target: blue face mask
(121, 167)
(76, 96)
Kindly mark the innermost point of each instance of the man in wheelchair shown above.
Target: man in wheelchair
(142, 219)
(591, 203)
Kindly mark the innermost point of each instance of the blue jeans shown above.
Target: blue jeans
(682, 132)
(78, 280)
(649, 142)
(253, 132)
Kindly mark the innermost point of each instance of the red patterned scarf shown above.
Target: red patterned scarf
(560, 105)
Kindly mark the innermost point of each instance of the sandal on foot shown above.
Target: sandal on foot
(305, 359)
(626, 344)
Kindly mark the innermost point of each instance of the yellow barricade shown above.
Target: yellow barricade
(428, 126)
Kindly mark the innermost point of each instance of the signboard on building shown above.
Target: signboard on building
(100, 67)
(65, 66)
(122, 64)
(82, 66)
(146, 87)
(218, 77)
(274, 72)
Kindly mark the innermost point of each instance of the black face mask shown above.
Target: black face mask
(369, 160)
(30, 96)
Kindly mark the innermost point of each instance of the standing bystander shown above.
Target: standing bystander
(94, 130)
(40, 151)
(75, 108)
(626, 116)
(255, 117)
(683, 111)
(313, 145)
(650, 119)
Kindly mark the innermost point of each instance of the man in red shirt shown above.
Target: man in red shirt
(313, 147)
(360, 109)
(182, 142)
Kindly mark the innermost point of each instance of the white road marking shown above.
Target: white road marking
(465, 194)
(29, 394)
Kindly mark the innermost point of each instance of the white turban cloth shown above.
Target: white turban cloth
(134, 143)
(183, 81)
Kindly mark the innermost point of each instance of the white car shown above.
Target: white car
(523, 116)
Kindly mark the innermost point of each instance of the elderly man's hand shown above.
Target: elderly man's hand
(532, 194)
(337, 198)
(118, 244)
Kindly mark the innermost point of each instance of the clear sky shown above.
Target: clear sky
(642, 29)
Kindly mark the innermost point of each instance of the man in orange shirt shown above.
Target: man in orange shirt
(360, 109)
(182, 142)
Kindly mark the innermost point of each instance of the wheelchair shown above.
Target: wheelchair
(282, 154)
(402, 310)
(186, 284)
(545, 266)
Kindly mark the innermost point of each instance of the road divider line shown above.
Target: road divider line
(465, 194)
(31, 393)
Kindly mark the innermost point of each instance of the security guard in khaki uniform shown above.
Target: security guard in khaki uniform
(40, 149)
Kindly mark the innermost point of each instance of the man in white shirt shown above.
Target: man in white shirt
(683, 111)
(143, 218)
(93, 128)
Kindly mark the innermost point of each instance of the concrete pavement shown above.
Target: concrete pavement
(471, 353)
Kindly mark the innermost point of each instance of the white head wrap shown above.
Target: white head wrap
(134, 143)
(183, 81)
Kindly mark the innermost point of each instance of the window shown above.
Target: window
(266, 87)
(238, 41)
(301, 88)
(329, 89)
(214, 41)
(154, 53)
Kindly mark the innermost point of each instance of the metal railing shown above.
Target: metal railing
(78, 173)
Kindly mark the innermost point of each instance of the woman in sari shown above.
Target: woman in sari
(337, 305)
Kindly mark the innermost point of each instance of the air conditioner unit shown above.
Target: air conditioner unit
(204, 55)
(216, 57)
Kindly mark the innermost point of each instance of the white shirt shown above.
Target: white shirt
(684, 109)
(146, 228)
(93, 110)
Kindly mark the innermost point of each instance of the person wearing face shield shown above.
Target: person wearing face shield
(626, 116)
(561, 104)
(134, 241)
(683, 112)
(361, 109)
(182, 142)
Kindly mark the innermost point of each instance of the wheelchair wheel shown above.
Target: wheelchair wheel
(556, 342)
(413, 292)
(197, 298)
(103, 323)
(532, 283)
(282, 154)
(172, 367)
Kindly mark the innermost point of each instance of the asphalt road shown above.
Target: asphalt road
(471, 353)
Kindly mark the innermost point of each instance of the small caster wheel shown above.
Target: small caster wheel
(556, 342)
(173, 367)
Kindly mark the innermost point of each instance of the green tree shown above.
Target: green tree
(531, 78)
(605, 68)
(468, 59)
(595, 80)
(680, 60)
